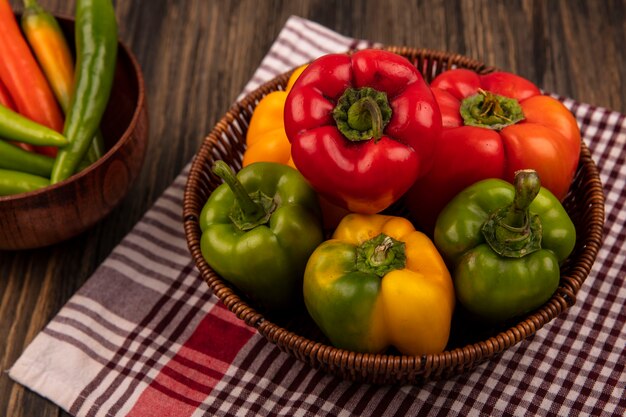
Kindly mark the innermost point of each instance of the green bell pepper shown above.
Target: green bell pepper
(504, 244)
(258, 230)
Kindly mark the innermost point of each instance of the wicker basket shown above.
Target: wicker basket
(470, 344)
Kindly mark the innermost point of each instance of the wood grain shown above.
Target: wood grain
(198, 54)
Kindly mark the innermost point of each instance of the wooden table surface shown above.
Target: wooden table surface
(198, 54)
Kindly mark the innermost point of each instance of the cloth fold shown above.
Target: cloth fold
(144, 336)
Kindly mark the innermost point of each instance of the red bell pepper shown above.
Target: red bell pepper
(494, 125)
(362, 127)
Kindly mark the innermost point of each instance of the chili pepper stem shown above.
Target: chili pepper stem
(250, 211)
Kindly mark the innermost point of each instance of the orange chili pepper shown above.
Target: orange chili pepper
(24, 79)
(45, 37)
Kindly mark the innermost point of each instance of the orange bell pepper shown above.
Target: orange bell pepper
(266, 139)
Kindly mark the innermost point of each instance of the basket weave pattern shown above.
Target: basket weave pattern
(300, 338)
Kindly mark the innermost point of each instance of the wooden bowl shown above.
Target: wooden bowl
(64, 210)
(470, 343)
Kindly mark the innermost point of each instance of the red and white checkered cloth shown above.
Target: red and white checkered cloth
(144, 336)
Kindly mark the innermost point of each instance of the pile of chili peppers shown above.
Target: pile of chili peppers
(477, 165)
(50, 108)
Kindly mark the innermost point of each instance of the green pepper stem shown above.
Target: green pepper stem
(251, 211)
(31, 4)
(513, 231)
(527, 186)
(381, 255)
(362, 114)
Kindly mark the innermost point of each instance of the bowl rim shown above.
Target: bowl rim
(367, 367)
(141, 100)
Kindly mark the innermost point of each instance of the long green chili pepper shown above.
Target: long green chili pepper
(15, 182)
(96, 49)
(52, 51)
(16, 127)
(17, 159)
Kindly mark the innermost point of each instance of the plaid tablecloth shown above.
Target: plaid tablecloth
(144, 336)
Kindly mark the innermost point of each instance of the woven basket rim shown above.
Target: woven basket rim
(374, 368)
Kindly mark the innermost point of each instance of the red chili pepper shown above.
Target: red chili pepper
(23, 78)
(494, 125)
(362, 127)
(5, 97)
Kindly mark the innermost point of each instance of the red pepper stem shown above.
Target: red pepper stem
(355, 118)
(249, 210)
(362, 114)
(491, 111)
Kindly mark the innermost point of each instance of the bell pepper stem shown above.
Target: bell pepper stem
(31, 4)
(527, 186)
(362, 114)
(491, 111)
(249, 210)
(513, 231)
(363, 109)
(380, 251)
(247, 205)
(381, 255)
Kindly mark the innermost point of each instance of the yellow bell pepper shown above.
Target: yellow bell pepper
(266, 140)
(378, 283)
